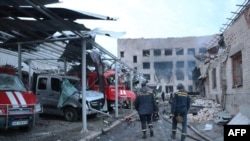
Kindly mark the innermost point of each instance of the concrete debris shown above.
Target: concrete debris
(205, 103)
(207, 112)
(222, 118)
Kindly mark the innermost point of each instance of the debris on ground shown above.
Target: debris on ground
(206, 110)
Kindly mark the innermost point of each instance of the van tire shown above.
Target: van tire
(70, 114)
(110, 107)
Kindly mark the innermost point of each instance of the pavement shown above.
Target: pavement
(92, 134)
(207, 131)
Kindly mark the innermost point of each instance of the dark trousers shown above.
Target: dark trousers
(163, 96)
(146, 120)
(184, 126)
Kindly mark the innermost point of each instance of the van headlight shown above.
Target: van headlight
(38, 108)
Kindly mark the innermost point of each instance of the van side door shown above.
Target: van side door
(49, 93)
(55, 91)
(42, 91)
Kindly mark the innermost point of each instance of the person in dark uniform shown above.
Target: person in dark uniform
(145, 105)
(179, 109)
(163, 96)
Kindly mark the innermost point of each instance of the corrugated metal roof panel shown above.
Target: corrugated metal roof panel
(239, 119)
(33, 27)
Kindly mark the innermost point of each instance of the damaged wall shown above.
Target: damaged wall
(237, 38)
(215, 83)
(237, 93)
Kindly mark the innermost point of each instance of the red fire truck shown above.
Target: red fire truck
(125, 97)
(18, 106)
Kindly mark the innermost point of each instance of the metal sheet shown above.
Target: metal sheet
(239, 119)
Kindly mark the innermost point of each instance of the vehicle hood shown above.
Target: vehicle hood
(17, 98)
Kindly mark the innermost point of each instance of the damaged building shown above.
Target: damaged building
(165, 62)
(219, 71)
(225, 71)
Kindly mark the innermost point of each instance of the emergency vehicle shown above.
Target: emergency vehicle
(125, 97)
(62, 95)
(18, 106)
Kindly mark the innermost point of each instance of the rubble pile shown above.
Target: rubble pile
(208, 110)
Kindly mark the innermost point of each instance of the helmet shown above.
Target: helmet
(180, 86)
(143, 81)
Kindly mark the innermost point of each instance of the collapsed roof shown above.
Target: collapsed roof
(41, 33)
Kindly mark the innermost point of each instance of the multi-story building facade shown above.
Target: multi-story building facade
(164, 61)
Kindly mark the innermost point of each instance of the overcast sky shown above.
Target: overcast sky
(155, 18)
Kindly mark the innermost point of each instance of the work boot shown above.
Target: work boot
(183, 138)
(144, 136)
(151, 132)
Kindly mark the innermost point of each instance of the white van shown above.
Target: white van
(61, 95)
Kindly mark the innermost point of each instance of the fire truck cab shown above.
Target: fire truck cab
(124, 95)
(18, 105)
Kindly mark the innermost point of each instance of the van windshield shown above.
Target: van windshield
(11, 83)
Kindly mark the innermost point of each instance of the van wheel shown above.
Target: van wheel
(110, 108)
(70, 114)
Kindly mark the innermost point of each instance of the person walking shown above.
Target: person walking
(163, 96)
(179, 109)
(145, 105)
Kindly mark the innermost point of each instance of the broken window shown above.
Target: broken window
(146, 65)
(179, 51)
(190, 88)
(180, 64)
(122, 53)
(157, 52)
(135, 59)
(146, 76)
(146, 53)
(163, 70)
(169, 89)
(179, 74)
(237, 70)
(191, 51)
(214, 78)
(202, 50)
(191, 67)
(11, 83)
(168, 52)
(179, 70)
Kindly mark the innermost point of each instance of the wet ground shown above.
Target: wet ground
(104, 128)
(207, 131)
(55, 128)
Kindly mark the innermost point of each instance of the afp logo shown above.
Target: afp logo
(241, 132)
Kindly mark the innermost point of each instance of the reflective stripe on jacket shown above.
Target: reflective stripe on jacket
(145, 102)
(181, 103)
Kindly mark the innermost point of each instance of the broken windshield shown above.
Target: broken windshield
(11, 83)
(76, 83)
